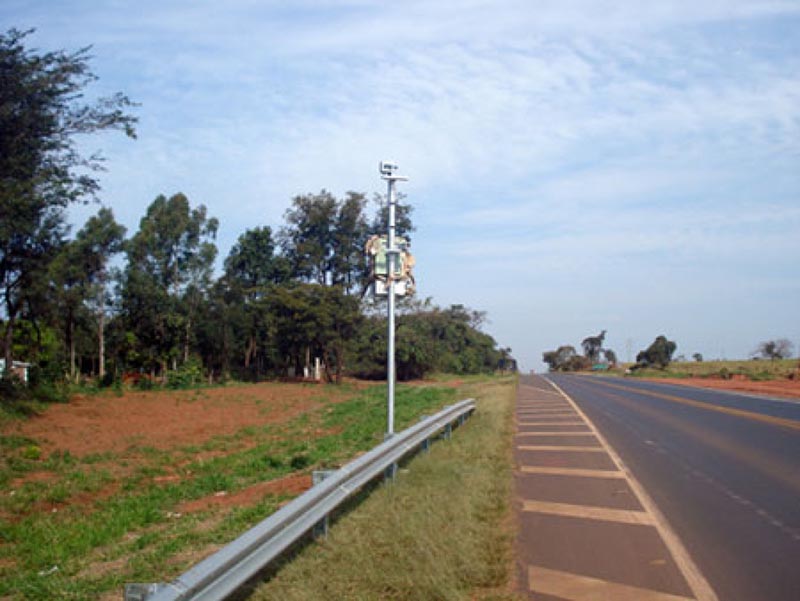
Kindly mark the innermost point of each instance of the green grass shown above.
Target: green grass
(441, 531)
(753, 369)
(132, 533)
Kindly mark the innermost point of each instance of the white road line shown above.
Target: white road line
(589, 512)
(550, 433)
(572, 472)
(573, 423)
(582, 588)
(524, 447)
(697, 582)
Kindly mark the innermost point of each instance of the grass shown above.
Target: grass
(757, 370)
(441, 531)
(93, 523)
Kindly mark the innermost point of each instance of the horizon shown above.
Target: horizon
(581, 167)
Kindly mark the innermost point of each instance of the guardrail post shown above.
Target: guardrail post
(321, 528)
(141, 591)
(390, 473)
(448, 431)
(426, 445)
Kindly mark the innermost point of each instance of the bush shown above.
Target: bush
(187, 375)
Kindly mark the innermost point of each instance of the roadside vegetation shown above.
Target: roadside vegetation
(754, 369)
(105, 308)
(80, 526)
(769, 361)
(443, 530)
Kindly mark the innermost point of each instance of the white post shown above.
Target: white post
(387, 169)
(391, 371)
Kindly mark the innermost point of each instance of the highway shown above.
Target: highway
(723, 469)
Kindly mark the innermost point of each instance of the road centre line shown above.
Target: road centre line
(573, 471)
(768, 419)
(567, 448)
(582, 588)
(697, 582)
(589, 512)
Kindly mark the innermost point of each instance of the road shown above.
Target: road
(724, 469)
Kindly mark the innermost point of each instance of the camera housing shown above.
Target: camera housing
(387, 167)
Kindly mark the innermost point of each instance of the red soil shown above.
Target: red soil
(777, 388)
(161, 419)
(292, 485)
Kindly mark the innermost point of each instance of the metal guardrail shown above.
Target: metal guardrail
(222, 573)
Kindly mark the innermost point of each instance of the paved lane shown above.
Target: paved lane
(587, 530)
(724, 469)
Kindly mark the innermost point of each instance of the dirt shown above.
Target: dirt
(292, 485)
(778, 388)
(164, 419)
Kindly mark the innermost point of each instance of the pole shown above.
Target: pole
(388, 170)
(390, 364)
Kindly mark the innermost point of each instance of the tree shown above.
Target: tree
(658, 354)
(404, 226)
(169, 271)
(308, 237)
(610, 356)
(251, 268)
(592, 346)
(775, 349)
(41, 169)
(324, 239)
(561, 358)
(99, 240)
(698, 357)
(320, 319)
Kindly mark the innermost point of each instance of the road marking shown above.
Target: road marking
(768, 419)
(589, 512)
(550, 433)
(572, 471)
(524, 447)
(541, 390)
(573, 423)
(582, 588)
(561, 415)
(697, 582)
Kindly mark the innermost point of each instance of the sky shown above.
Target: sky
(574, 166)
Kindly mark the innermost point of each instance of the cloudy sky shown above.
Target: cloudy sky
(574, 165)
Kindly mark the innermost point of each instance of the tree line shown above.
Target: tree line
(566, 358)
(150, 306)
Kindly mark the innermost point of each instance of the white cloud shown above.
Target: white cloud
(658, 136)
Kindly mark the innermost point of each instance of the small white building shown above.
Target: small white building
(19, 368)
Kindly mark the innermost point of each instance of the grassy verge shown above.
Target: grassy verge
(752, 370)
(99, 521)
(442, 531)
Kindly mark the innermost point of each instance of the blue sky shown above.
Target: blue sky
(574, 165)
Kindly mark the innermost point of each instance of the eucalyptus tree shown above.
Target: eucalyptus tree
(252, 267)
(324, 239)
(98, 241)
(170, 261)
(42, 170)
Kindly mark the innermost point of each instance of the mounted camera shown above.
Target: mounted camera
(387, 167)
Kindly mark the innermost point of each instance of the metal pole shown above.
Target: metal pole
(390, 365)
(388, 170)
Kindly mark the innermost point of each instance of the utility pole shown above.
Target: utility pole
(388, 170)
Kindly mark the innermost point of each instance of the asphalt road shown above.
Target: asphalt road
(723, 468)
